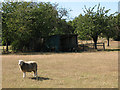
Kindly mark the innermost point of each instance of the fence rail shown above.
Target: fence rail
(92, 44)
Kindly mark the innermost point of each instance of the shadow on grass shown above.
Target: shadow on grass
(39, 53)
(50, 53)
(28, 53)
(112, 49)
(39, 78)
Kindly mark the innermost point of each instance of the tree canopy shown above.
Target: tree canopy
(93, 23)
(26, 23)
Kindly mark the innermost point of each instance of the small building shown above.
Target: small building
(61, 43)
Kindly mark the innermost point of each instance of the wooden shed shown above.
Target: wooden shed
(61, 43)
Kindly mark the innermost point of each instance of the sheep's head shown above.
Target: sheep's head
(20, 62)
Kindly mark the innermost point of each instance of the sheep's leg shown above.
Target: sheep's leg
(24, 74)
(35, 74)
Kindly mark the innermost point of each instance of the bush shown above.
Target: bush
(117, 38)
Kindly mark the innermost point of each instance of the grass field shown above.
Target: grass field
(64, 70)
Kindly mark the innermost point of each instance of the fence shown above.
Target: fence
(91, 46)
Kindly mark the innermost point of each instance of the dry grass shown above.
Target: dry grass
(64, 70)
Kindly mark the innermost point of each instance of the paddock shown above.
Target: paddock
(64, 70)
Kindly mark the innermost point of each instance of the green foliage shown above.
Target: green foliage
(117, 28)
(26, 23)
(81, 29)
(109, 27)
(64, 27)
(0, 28)
(92, 24)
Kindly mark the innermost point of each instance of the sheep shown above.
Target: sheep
(28, 67)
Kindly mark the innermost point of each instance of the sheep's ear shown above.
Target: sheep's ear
(20, 62)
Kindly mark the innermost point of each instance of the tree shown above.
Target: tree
(109, 27)
(0, 28)
(70, 27)
(117, 27)
(64, 27)
(8, 9)
(92, 23)
(25, 24)
(74, 22)
(80, 27)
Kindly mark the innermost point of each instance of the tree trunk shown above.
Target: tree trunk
(108, 41)
(95, 41)
(95, 44)
(7, 47)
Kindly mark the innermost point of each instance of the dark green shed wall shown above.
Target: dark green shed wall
(61, 43)
(53, 43)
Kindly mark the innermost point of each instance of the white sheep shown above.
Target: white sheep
(28, 67)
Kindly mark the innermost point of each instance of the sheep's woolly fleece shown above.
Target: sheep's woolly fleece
(28, 67)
